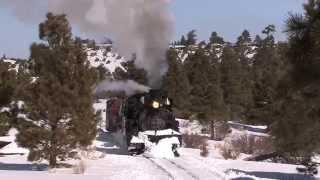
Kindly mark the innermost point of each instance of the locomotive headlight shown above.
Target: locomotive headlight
(168, 103)
(155, 104)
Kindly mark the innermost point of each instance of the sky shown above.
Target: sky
(227, 17)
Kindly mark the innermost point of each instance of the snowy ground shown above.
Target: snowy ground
(112, 162)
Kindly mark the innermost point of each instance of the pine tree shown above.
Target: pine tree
(59, 113)
(103, 73)
(176, 82)
(268, 69)
(297, 126)
(215, 39)
(244, 51)
(257, 41)
(183, 41)
(7, 87)
(206, 93)
(7, 83)
(131, 72)
(191, 38)
(231, 79)
(244, 39)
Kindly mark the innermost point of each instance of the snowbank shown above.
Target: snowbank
(164, 148)
(12, 148)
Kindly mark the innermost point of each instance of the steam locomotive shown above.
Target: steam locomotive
(143, 119)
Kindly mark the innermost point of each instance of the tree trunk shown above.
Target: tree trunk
(53, 160)
(212, 133)
(53, 148)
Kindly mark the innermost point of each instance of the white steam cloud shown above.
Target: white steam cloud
(129, 87)
(143, 27)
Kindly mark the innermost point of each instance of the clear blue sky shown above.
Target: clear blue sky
(228, 17)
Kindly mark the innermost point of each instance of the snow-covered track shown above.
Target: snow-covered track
(160, 167)
(184, 169)
(174, 171)
(188, 167)
(197, 161)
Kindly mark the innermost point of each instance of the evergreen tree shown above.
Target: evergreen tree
(257, 41)
(176, 82)
(58, 105)
(131, 72)
(269, 31)
(268, 69)
(244, 52)
(297, 126)
(183, 41)
(7, 88)
(244, 39)
(206, 93)
(231, 79)
(191, 38)
(103, 73)
(216, 39)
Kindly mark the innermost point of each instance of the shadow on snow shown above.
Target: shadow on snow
(22, 167)
(112, 143)
(272, 175)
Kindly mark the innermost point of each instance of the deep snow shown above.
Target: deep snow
(110, 161)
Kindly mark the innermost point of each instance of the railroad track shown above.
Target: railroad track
(160, 167)
(173, 170)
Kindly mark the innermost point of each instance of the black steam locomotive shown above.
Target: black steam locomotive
(143, 117)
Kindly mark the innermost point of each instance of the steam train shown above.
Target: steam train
(143, 119)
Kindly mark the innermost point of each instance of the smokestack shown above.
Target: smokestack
(143, 27)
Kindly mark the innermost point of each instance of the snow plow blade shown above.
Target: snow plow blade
(149, 139)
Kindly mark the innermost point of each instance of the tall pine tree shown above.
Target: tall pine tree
(206, 94)
(297, 113)
(244, 50)
(231, 79)
(176, 82)
(268, 69)
(7, 87)
(59, 114)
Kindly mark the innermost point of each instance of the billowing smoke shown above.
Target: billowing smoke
(129, 87)
(143, 27)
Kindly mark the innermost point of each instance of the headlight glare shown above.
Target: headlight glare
(155, 104)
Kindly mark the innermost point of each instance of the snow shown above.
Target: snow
(136, 140)
(108, 60)
(12, 148)
(101, 105)
(164, 148)
(252, 126)
(187, 127)
(4, 109)
(108, 161)
(13, 64)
